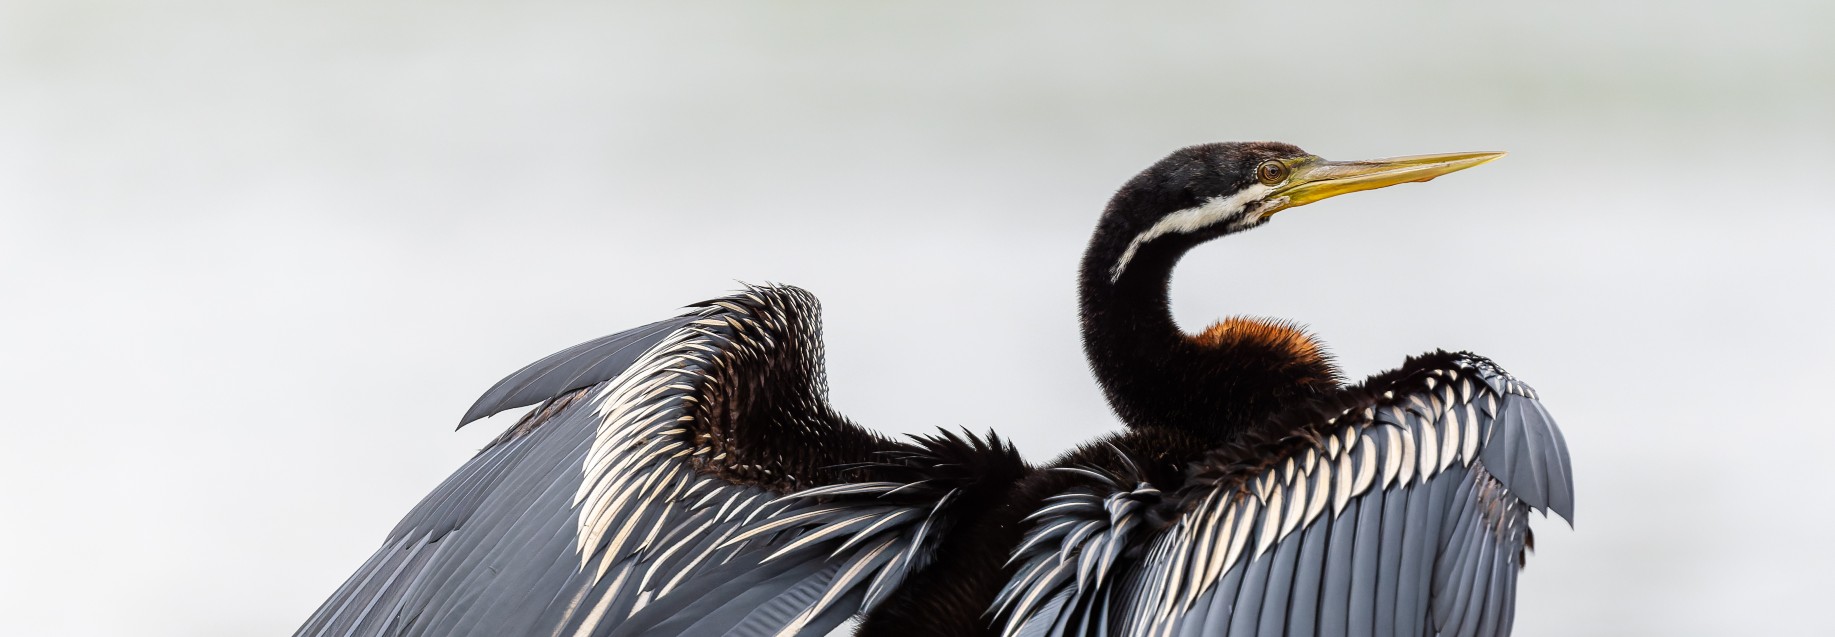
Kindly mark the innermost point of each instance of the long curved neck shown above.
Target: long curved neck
(1128, 331)
(1216, 384)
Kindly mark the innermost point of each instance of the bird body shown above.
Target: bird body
(690, 478)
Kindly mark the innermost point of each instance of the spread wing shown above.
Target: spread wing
(1407, 514)
(682, 478)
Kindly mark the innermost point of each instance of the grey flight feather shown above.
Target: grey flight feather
(1412, 520)
(603, 516)
(583, 365)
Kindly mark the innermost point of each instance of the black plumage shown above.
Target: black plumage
(1153, 374)
(690, 478)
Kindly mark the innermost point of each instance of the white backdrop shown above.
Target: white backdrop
(256, 259)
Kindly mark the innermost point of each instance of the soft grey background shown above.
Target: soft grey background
(256, 258)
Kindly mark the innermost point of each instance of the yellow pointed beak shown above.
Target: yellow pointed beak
(1314, 179)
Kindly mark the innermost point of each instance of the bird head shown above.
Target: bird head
(1205, 192)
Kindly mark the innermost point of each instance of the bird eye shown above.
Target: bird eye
(1271, 172)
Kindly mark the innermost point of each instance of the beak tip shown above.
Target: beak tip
(1474, 160)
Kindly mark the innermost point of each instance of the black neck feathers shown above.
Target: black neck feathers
(1215, 384)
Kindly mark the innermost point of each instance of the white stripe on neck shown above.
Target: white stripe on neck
(1191, 220)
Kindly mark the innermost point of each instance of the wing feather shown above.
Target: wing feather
(643, 499)
(1404, 515)
(1309, 575)
(1397, 505)
(1274, 602)
(1340, 574)
(1245, 610)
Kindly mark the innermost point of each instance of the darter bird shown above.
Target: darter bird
(689, 477)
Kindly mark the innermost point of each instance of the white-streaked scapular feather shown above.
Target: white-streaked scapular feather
(1429, 490)
(597, 516)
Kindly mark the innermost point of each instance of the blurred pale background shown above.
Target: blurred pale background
(256, 258)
